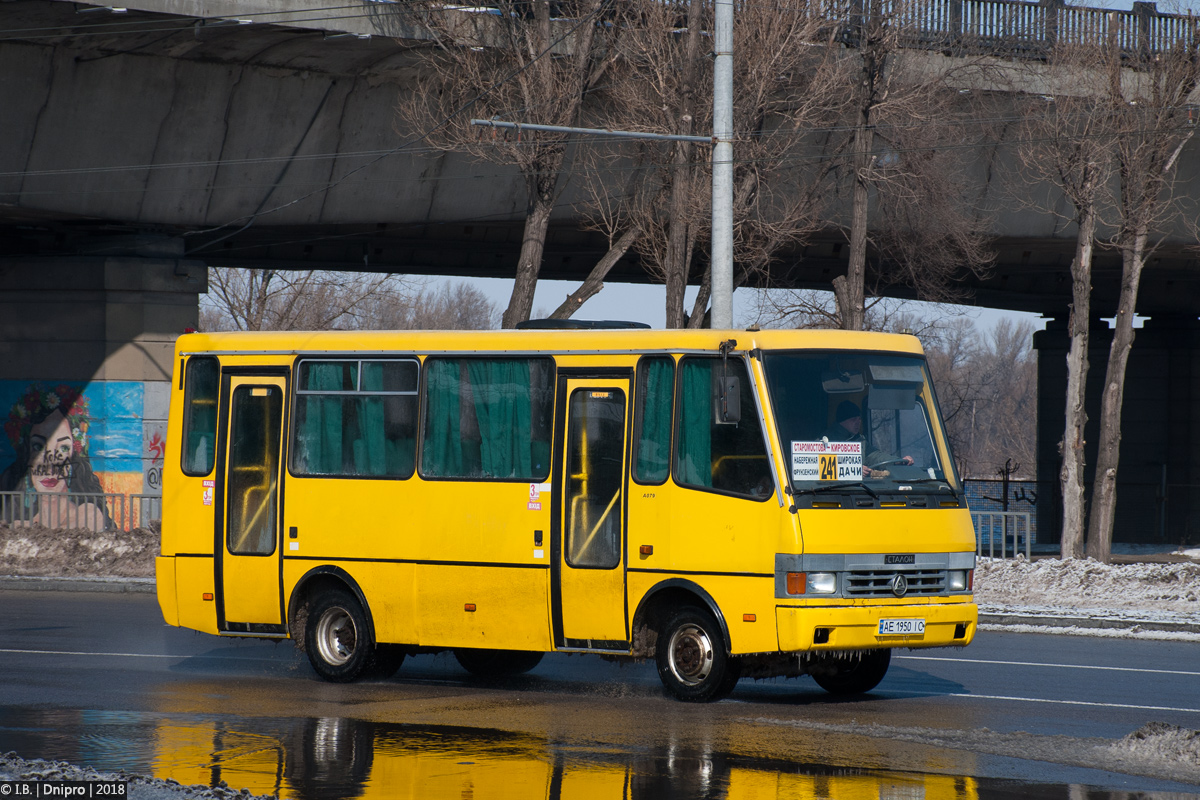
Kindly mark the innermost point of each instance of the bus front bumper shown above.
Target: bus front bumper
(815, 628)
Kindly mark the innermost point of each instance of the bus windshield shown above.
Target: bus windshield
(862, 420)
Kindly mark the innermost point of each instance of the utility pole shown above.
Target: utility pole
(722, 168)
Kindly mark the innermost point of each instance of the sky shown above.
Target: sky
(645, 302)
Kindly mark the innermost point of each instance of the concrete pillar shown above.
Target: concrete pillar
(92, 338)
(1158, 479)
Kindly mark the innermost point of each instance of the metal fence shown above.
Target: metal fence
(1007, 531)
(97, 511)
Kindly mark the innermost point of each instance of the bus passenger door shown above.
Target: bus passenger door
(248, 520)
(589, 534)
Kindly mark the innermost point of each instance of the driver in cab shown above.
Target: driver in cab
(847, 427)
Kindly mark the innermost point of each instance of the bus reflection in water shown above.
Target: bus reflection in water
(331, 759)
(727, 503)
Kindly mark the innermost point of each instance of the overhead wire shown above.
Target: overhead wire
(815, 130)
(799, 159)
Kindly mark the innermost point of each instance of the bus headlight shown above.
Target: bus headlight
(959, 580)
(822, 582)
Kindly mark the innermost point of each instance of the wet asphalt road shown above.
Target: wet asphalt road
(99, 679)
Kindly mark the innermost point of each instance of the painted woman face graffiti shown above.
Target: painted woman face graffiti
(51, 446)
(48, 432)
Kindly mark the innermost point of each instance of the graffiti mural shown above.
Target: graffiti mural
(66, 446)
(154, 435)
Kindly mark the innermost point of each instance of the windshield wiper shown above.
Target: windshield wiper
(944, 483)
(830, 487)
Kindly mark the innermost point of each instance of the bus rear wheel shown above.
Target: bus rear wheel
(497, 663)
(692, 662)
(852, 675)
(338, 637)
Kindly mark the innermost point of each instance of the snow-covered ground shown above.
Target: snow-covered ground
(1122, 595)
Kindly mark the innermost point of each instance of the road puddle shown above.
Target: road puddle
(337, 758)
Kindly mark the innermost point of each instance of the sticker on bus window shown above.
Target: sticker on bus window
(827, 461)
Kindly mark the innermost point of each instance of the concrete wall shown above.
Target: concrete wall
(93, 339)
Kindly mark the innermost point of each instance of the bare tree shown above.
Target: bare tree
(458, 306)
(787, 83)
(1067, 142)
(1150, 103)
(903, 113)
(986, 382)
(271, 300)
(814, 308)
(663, 84)
(531, 61)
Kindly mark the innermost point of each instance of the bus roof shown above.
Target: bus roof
(547, 341)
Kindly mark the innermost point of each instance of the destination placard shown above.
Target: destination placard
(826, 461)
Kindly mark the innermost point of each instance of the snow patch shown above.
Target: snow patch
(1088, 587)
(1158, 741)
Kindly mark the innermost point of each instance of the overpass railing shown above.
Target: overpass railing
(1015, 27)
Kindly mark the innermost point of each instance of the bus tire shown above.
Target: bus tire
(497, 663)
(692, 663)
(855, 675)
(338, 637)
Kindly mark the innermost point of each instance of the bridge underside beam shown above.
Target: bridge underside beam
(1031, 275)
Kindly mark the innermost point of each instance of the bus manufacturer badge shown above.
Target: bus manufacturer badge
(899, 585)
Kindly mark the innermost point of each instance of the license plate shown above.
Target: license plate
(901, 627)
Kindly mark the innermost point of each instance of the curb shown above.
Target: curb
(21, 583)
(1098, 623)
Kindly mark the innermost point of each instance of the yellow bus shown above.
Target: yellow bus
(729, 503)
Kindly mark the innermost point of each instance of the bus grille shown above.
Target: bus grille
(878, 583)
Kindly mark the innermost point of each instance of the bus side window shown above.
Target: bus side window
(203, 380)
(729, 458)
(652, 438)
(356, 418)
(488, 418)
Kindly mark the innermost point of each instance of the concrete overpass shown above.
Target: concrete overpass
(136, 144)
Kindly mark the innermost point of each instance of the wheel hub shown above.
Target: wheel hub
(690, 655)
(336, 636)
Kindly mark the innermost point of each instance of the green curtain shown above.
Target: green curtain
(442, 453)
(501, 393)
(693, 464)
(322, 429)
(654, 440)
(369, 445)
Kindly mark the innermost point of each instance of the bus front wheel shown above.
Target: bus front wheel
(692, 662)
(846, 676)
(338, 638)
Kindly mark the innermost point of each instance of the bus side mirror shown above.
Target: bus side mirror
(729, 401)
